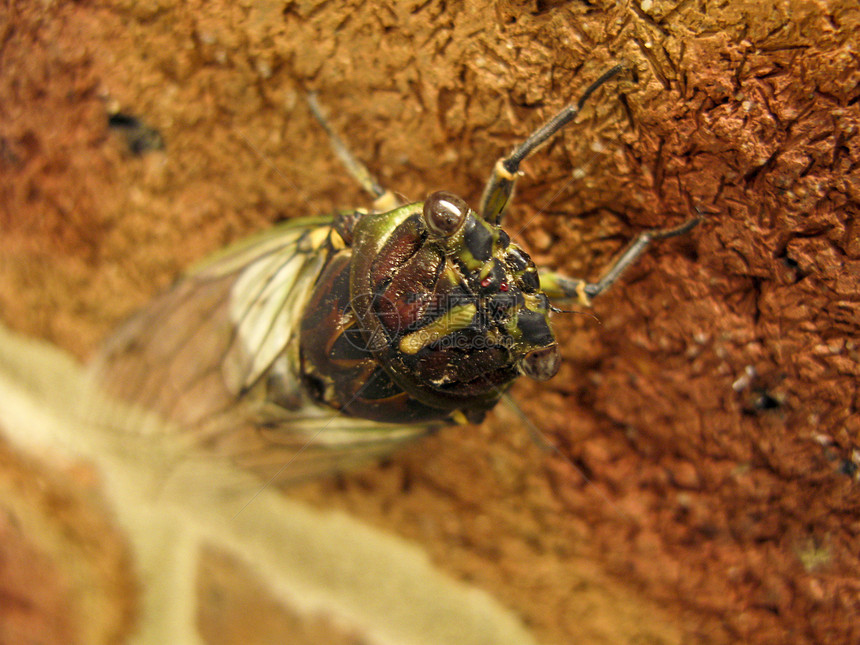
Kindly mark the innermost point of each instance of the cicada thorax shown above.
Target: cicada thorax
(429, 312)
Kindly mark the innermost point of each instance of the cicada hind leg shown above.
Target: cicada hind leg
(383, 199)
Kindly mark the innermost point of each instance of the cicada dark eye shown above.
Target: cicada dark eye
(541, 364)
(444, 213)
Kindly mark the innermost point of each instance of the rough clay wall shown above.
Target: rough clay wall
(711, 413)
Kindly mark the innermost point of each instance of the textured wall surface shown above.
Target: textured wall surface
(707, 421)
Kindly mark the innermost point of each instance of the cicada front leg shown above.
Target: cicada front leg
(561, 288)
(500, 189)
(500, 186)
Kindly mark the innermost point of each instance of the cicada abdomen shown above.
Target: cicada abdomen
(329, 341)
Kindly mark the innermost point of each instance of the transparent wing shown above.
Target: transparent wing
(202, 355)
(312, 443)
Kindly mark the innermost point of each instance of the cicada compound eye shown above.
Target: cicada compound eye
(444, 213)
(541, 364)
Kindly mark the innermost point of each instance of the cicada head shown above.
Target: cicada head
(450, 307)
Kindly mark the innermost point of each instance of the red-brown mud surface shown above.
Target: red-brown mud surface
(707, 420)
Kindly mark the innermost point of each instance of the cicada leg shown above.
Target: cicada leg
(562, 288)
(383, 199)
(500, 186)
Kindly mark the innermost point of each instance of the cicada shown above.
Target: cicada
(328, 341)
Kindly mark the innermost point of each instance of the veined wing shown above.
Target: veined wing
(309, 443)
(186, 355)
(203, 354)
